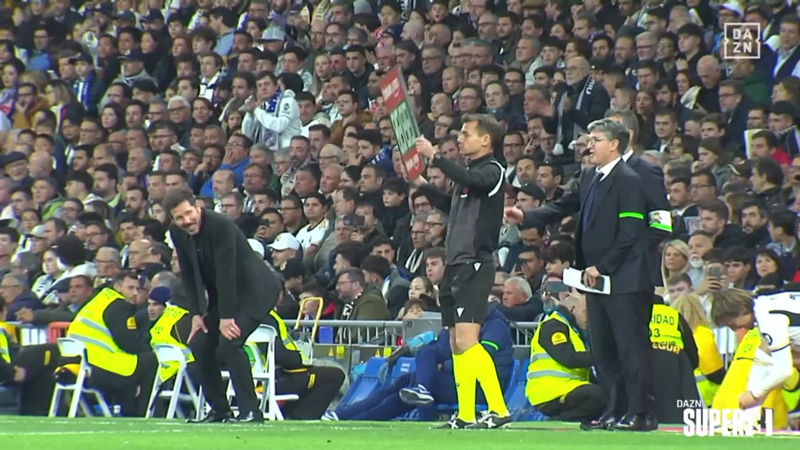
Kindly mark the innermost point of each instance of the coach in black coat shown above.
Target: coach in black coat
(611, 240)
(659, 214)
(241, 289)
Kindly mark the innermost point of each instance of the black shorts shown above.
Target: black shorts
(464, 292)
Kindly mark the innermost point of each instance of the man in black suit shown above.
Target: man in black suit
(229, 292)
(611, 202)
(659, 216)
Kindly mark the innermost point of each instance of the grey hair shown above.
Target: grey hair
(113, 253)
(475, 42)
(628, 119)
(612, 130)
(165, 279)
(158, 101)
(180, 99)
(646, 36)
(282, 153)
(146, 152)
(337, 151)
(521, 286)
(361, 35)
(419, 218)
(443, 214)
(22, 280)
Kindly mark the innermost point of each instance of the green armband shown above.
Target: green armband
(491, 344)
(631, 215)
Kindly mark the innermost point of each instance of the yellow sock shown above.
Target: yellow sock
(484, 371)
(465, 387)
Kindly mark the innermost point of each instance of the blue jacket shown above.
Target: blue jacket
(238, 171)
(25, 300)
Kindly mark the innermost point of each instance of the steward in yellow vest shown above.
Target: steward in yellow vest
(120, 361)
(172, 326)
(674, 361)
(558, 375)
(317, 386)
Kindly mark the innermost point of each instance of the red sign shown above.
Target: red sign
(406, 131)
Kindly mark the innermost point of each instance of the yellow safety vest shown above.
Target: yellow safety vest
(664, 332)
(287, 340)
(161, 333)
(735, 382)
(5, 350)
(548, 379)
(90, 328)
(706, 388)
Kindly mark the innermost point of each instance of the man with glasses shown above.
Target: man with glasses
(587, 102)
(91, 132)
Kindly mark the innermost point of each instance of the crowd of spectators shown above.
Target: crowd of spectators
(272, 113)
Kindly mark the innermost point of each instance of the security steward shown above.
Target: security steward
(122, 365)
(171, 327)
(316, 386)
(674, 360)
(558, 375)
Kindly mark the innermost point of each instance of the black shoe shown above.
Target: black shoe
(455, 424)
(604, 422)
(251, 417)
(632, 422)
(490, 421)
(213, 417)
(652, 423)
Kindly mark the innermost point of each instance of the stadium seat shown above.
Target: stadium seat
(521, 410)
(264, 372)
(167, 353)
(73, 347)
(366, 384)
(401, 367)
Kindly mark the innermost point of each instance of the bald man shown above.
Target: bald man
(575, 111)
(414, 30)
(710, 73)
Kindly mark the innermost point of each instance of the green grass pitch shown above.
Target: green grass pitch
(18, 433)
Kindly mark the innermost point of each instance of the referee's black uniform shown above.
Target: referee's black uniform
(473, 230)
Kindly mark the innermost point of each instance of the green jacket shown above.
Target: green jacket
(757, 88)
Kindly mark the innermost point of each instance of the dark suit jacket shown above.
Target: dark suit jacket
(768, 62)
(655, 201)
(594, 106)
(616, 246)
(243, 283)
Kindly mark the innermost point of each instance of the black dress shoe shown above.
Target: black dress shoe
(604, 422)
(632, 422)
(212, 417)
(251, 417)
(652, 423)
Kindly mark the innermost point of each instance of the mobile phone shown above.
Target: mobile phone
(555, 287)
(715, 272)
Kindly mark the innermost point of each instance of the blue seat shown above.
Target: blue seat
(521, 410)
(366, 384)
(401, 367)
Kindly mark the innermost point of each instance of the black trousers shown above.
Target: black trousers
(210, 349)
(317, 387)
(39, 362)
(122, 390)
(620, 344)
(579, 405)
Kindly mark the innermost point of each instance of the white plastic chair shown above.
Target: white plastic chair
(168, 353)
(73, 347)
(265, 373)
